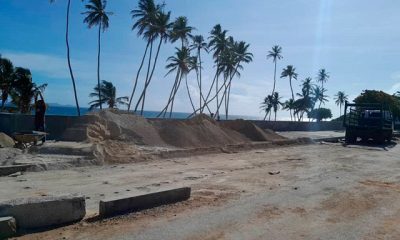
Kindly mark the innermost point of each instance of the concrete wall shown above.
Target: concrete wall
(56, 125)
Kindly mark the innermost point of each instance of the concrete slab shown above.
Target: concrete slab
(7, 170)
(112, 207)
(8, 227)
(33, 213)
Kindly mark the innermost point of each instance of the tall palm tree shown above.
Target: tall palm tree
(322, 77)
(109, 96)
(145, 16)
(275, 54)
(7, 79)
(340, 98)
(96, 15)
(199, 44)
(218, 43)
(276, 103)
(159, 29)
(319, 95)
(289, 72)
(68, 55)
(289, 105)
(181, 62)
(181, 31)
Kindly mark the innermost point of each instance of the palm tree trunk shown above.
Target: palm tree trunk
(190, 97)
(147, 74)
(201, 94)
(273, 90)
(290, 111)
(200, 89)
(275, 115)
(173, 97)
(216, 93)
(227, 105)
(165, 109)
(69, 59)
(151, 75)
(98, 65)
(291, 88)
(137, 75)
(209, 91)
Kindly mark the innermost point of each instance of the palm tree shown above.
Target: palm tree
(289, 105)
(181, 62)
(108, 93)
(340, 98)
(266, 105)
(322, 77)
(199, 44)
(145, 16)
(181, 31)
(160, 28)
(276, 103)
(319, 95)
(24, 89)
(275, 54)
(290, 72)
(96, 15)
(7, 79)
(68, 56)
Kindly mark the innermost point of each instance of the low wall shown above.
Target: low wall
(56, 125)
(281, 126)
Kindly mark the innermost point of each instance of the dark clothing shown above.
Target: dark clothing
(40, 111)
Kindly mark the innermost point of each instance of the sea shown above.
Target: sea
(71, 111)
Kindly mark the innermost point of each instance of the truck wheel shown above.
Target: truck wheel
(350, 137)
(380, 139)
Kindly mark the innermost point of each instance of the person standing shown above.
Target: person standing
(40, 111)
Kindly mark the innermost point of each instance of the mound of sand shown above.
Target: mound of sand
(118, 136)
(6, 141)
(251, 131)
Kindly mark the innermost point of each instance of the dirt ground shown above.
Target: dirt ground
(318, 191)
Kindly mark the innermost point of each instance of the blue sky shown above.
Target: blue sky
(356, 41)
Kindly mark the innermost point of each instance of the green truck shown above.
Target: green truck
(367, 121)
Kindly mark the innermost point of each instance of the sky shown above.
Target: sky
(356, 41)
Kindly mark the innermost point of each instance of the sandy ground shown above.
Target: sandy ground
(320, 191)
(312, 134)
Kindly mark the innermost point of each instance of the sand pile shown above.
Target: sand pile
(120, 137)
(6, 141)
(251, 131)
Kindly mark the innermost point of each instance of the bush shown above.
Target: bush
(373, 96)
(320, 114)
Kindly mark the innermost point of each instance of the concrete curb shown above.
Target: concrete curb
(8, 227)
(112, 207)
(7, 170)
(33, 213)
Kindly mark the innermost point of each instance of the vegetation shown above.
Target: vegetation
(340, 99)
(109, 96)
(96, 15)
(373, 96)
(16, 83)
(320, 114)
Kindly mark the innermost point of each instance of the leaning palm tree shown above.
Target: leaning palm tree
(289, 72)
(180, 63)
(199, 44)
(322, 77)
(96, 15)
(145, 16)
(7, 79)
(340, 98)
(109, 96)
(319, 95)
(68, 56)
(275, 54)
(159, 29)
(289, 105)
(266, 106)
